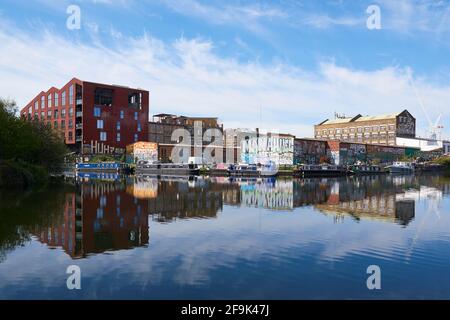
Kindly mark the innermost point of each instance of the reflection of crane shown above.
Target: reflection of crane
(435, 128)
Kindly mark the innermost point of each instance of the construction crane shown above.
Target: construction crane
(435, 129)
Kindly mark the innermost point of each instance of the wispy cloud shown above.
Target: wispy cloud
(187, 76)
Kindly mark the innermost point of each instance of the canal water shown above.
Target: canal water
(215, 238)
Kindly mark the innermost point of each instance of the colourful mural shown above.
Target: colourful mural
(309, 151)
(268, 149)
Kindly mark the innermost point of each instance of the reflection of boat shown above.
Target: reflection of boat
(167, 169)
(99, 167)
(249, 170)
(110, 176)
(365, 169)
(401, 168)
(324, 170)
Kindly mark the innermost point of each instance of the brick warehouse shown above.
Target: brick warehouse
(383, 129)
(92, 117)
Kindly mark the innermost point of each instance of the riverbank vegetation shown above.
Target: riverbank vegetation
(29, 150)
(445, 161)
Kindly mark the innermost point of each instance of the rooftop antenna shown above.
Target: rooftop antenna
(435, 128)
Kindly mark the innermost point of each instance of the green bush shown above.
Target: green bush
(29, 150)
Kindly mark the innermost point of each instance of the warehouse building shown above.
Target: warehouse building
(383, 130)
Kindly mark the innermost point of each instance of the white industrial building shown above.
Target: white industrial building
(424, 144)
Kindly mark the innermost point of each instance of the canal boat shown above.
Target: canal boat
(220, 170)
(268, 170)
(99, 167)
(401, 168)
(323, 170)
(167, 169)
(244, 170)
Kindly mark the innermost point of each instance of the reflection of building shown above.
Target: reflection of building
(385, 205)
(103, 217)
(93, 117)
(185, 199)
(275, 194)
(382, 129)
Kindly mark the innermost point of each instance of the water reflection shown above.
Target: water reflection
(225, 233)
(98, 216)
(101, 214)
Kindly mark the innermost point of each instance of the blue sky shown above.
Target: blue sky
(282, 65)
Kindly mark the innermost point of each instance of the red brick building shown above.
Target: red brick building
(92, 117)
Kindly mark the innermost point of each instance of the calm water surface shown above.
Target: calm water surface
(141, 238)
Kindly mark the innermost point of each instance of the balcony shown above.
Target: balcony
(79, 138)
(79, 102)
(79, 114)
(79, 126)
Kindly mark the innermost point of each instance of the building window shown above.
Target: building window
(63, 124)
(63, 113)
(121, 114)
(55, 124)
(71, 95)
(118, 125)
(103, 96)
(42, 102)
(360, 130)
(55, 114)
(135, 100)
(383, 128)
(391, 128)
(70, 136)
(118, 137)
(139, 127)
(70, 112)
(42, 115)
(367, 129)
(70, 124)
(97, 112)
(63, 98)
(36, 105)
(102, 136)
(99, 124)
(56, 99)
(135, 115)
(49, 114)
(49, 99)
(135, 137)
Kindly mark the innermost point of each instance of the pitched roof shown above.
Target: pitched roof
(360, 118)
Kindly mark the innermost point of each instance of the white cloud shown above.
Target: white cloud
(187, 77)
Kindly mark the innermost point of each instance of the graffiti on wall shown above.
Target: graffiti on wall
(96, 147)
(406, 125)
(143, 151)
(266, 149)
(309, 152)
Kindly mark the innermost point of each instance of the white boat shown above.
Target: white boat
(401, 167)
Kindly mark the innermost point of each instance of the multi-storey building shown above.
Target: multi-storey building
(368, 129)
(92, 117)
(162, 130)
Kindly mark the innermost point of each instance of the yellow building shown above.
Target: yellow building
(383, 129)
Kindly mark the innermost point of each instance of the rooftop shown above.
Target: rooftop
(361, 118)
